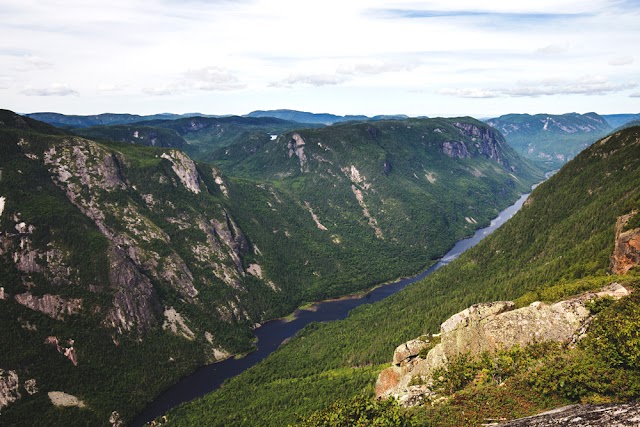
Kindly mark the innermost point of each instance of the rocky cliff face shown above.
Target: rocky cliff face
(626, 254)
(485, 328)
(488, 139)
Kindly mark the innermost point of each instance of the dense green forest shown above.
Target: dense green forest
(559, 244)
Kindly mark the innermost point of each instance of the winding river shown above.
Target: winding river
(270, 335)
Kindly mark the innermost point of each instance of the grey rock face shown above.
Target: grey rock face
(620, 415)
(53, 306)
(455, 149)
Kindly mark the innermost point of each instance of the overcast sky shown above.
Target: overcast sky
(435, 58)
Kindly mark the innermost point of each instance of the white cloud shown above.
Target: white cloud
(310, 79)
(621, 60)
(212, 78)
(55, 89)
(470, 93)
(111, 87)
(586, 85)
(552, 49)
(374, 68)
(635, 95)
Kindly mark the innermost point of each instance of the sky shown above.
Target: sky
(433, 58)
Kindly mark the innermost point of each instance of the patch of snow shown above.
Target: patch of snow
(2, 201)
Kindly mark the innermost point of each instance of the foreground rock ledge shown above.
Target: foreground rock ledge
(620, 415)
(486, 327)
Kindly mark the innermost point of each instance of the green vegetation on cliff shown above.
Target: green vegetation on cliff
(561, 241)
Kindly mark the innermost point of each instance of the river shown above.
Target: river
(270, 335)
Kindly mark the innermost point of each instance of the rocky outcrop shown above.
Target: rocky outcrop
(176, 324)
(53, 306)
(488, 139)
(455, 149)
(31, 386)
(185, 169)
(9, 388)
(296, 146)
(482, 328)
(59, 398)
(315, 217)
(67, 350)
(619, 415)
(626, 253)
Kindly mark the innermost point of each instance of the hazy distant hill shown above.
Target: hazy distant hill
(75, 121)
(324, 118)
(551, 140)
(617, 120)
(206, 134)
(135, 134)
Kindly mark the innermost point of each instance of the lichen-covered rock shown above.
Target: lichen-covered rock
(490, 327)
(626, 253)
(408, 350)
(9, 388)
(618, 415)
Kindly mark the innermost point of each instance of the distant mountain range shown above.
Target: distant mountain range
(324, 118)
(551, 140)
(618, 120)
(75, 121)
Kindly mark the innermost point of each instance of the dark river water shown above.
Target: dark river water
(273, 333)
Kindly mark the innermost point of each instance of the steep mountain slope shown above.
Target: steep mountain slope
(74, 121)
(321, 118)
(135, 134)
(561, 243)
(551, 140)
(113, 253)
